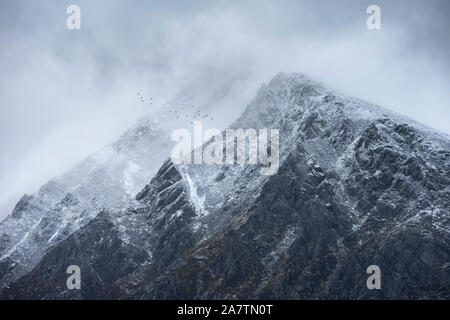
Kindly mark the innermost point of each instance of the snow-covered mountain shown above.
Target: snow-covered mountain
(357, 186)
(109, 179)
(106, 180)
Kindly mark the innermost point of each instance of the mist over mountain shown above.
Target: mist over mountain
(357, 185)
(64, 94)
(110, 178)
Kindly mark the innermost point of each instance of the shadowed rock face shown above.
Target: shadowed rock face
(357, 186)
(113, 244)
(104, 180)
(97, 249)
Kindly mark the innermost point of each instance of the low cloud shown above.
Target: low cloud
(64, 94)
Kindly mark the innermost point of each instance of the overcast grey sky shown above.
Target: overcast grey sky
(66, 93)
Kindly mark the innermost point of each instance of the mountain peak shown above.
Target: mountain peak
(357, 186)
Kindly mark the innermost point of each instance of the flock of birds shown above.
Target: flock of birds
(197, 115)
(151, 101)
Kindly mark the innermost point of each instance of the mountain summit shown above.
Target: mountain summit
(357, 186)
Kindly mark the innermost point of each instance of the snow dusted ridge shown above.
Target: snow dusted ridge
(357, 185)
(300, 108)
(108, 179)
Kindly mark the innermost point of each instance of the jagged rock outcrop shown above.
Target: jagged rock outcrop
(357, 186)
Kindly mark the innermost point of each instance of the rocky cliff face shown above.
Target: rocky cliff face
(114, 244)
(357, 186)
(108, 180)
